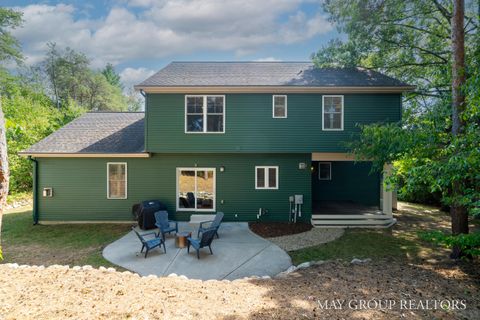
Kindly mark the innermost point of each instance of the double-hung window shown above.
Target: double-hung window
(279, 106)
(196, 189)
(332, 113)
(117, 180)
(204, 114)
(266, 177)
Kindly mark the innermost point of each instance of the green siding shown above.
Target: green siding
(79, 185)
(249, 126)
(350, 182)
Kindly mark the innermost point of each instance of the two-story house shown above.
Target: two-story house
(255, 140)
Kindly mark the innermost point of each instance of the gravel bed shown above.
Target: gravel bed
(307, 239)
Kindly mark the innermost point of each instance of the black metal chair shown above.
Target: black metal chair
(151, 243)
(204, 241)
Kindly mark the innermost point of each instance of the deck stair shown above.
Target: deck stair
(366, 220)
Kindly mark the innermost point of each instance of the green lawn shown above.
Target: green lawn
(358, 243)
(75, 244)
(402, 241)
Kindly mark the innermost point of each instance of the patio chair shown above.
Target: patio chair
(204, 241)
(215, 223)
(149, 244)
(164, 225)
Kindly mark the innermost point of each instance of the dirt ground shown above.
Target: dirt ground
(404, 287)
(59, 293)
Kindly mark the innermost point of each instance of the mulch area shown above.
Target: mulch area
(278, 229)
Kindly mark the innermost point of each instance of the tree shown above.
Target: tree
(437, 143)
(9, 50)
(458, 210)
(71, 79)
(112, 76)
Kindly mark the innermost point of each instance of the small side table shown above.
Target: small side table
(181, 239)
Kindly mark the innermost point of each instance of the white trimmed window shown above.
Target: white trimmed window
(195, 189)
(325, 171)
(116, 180)
(332, 113)
(279, 106)
(266, 177)
(204, 114)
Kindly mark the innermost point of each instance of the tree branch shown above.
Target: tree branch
(445, 13)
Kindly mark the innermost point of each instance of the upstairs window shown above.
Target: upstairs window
(266, 177)
(279, 106)
(117, 180)
(332, 108)
(325, 171)
(205, 114)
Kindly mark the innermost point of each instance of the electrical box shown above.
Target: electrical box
(47, 192)
(299, 199)
(291, 198)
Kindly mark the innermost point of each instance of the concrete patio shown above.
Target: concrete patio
(238, 253)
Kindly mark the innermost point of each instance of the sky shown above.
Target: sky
(139, 37)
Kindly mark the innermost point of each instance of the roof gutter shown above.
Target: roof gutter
(35, 190)
(272, 89)
(84, 155)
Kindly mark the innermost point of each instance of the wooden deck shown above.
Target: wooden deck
(341, 214)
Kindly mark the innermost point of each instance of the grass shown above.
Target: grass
(358, 243)
(76, 244)
(402, 241)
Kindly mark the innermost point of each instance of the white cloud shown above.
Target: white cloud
(267, 59)
(158, 29)
(132, 76)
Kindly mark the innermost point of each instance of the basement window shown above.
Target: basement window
(324, 171)
(266, 177)
(117, 180)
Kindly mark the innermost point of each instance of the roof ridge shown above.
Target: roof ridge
(111, 111)
(240, 61)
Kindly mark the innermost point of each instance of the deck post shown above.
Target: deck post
(387, 191)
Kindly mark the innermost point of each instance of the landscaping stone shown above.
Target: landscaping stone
(360, 261)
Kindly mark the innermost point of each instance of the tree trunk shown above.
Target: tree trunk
(4, 173)
(458, 211)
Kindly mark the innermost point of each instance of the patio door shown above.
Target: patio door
(196, 189)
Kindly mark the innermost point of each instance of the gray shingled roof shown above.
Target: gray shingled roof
(184, 74)
(96, 132)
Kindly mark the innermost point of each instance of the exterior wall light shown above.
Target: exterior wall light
(302, 166)
(222, 169)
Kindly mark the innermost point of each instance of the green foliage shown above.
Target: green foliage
(468, 243)
(71, 80)
(410, 40)
(112, 76)
(9, 46)
(30, 116)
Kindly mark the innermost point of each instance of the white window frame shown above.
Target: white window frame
(204, 96)
(266, 176)
(330, 174)
(273, 106)
(214, 189)
(323, 112)
(108, 180)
